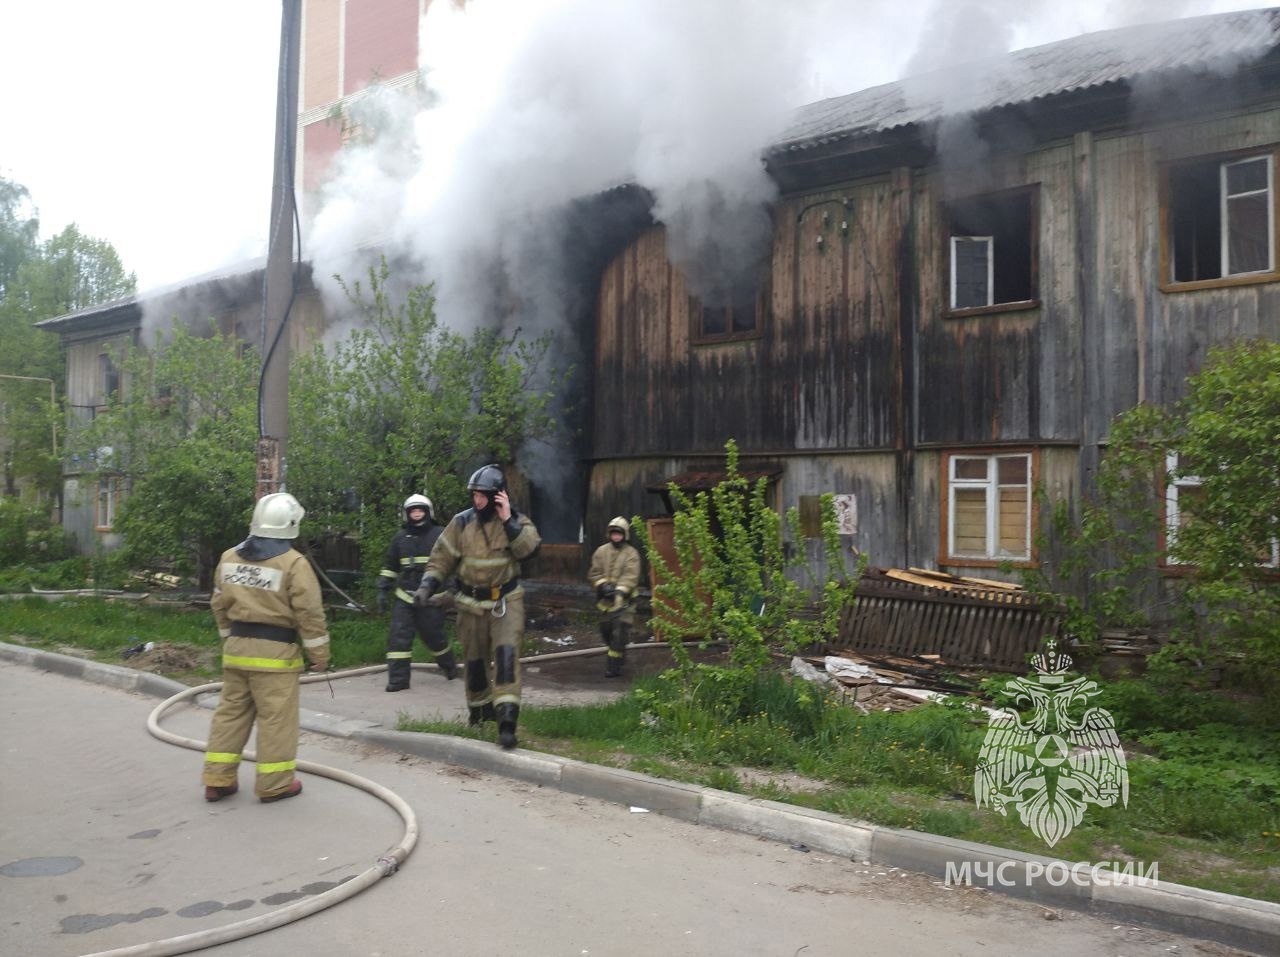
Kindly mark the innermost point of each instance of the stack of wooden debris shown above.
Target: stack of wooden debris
(969, 622)
(888, 683)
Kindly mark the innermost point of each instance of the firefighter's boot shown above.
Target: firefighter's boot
(480, 714)
(612, 669)
(398, 670)
(508, 714)
(447, 664)
(617, 641)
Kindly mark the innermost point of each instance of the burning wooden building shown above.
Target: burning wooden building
(959, 299)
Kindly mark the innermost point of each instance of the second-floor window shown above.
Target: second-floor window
(992, 250)
(108, 379)
(737, 316)
(1221, 218)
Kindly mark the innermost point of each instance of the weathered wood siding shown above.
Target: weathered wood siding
(861, 381)
(821, 375)
(1145, 342)
(1000, 376)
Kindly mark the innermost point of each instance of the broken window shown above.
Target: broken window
(108, 378)
(736, 314)
(1222, 218)
(989, 506)
(992, 249)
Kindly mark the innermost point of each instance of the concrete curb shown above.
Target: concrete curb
(1236, 921)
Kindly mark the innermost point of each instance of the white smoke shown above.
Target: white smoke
(530, 105)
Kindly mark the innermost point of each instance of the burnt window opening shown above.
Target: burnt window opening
(108, 379)
(992, 249)
(1221, 218)
(735, 316)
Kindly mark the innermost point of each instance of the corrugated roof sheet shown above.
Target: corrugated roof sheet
(1220, 43)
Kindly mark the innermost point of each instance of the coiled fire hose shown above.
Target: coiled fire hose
(387, 864)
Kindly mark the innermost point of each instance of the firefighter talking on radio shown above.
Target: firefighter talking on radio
(483, 546)
(401, 574)
(615, 575)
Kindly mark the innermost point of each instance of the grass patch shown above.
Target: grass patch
(106, 627)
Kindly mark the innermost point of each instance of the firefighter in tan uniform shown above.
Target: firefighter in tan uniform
(615, 575)
(266, 602)
(483, 546)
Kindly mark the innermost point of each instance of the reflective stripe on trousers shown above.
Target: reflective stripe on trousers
(269, 699)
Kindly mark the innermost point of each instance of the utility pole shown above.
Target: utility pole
(279, 277)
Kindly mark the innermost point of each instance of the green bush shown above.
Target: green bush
(1223, 610)
(29, 536)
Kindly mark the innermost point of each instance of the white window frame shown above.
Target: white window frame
(111, 493)
(1173, 514)
(1224, 203)
(991, 270)
(991, 484)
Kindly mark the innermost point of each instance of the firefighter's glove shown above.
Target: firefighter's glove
(428, 588)
(605, 591)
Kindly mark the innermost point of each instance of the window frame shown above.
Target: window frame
(1173, 514)
(761, 293)
(112, 492)
(991, 272)
(107, 372)
(1168, 282)
(698, 336)
(946, 552)
(947, 215)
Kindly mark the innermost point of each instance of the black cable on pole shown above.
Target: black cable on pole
(285, 80)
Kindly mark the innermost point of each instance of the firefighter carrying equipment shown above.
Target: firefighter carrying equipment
(615, 573)
(485, 554)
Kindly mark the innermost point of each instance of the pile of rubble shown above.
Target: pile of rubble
(885, 684)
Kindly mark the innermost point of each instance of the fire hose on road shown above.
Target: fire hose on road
(387, 864)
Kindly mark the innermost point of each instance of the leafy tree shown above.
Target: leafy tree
(735, 582)
(1223, 608)
(70, 271)
(183, 440)
(404, 404)
(19, 232)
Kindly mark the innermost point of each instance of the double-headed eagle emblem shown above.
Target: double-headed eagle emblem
(1063, 758)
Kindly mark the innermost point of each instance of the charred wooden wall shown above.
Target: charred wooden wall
(860, 379)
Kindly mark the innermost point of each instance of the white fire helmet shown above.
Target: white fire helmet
(419, 501)
(277, 515)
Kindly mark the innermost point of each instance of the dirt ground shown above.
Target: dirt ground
(548, 631)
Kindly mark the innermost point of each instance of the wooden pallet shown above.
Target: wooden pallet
(965, 622)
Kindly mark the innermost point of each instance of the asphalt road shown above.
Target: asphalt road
(105, 842)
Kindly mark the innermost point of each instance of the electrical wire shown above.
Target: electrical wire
(285, 87)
